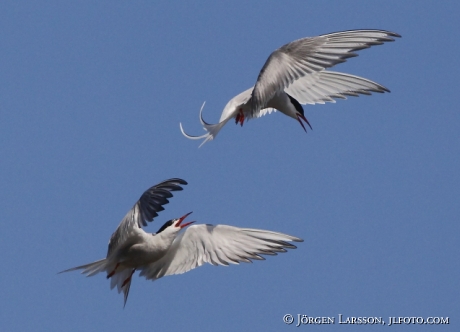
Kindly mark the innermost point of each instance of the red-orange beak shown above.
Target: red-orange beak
(301, 117)
(182, 219)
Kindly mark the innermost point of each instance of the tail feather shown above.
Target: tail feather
(212, 129)
(119, 280)
(126, 292)
(90, 269)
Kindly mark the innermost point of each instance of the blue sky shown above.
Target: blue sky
(91, 96)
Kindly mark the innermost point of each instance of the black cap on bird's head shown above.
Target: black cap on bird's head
(300, 113)
(166, 225)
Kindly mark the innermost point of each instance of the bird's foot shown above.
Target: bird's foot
(240, 118)
(113, 272)
(128, 279)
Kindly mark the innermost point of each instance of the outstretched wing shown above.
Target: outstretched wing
(324, 86)
(308, 55)
(217, 245)
(145, 209)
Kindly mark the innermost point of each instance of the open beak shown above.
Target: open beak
(182, 219)
(301, 117)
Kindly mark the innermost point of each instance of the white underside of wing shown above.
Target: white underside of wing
(217, 245)
(323, 86)
(265, 111)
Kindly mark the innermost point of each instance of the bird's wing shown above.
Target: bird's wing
(264, 111)
(324, 86)
(145, 209)
(308, 55)
(217, 245)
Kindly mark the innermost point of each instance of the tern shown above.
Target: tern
(168, 251)
(296, 74)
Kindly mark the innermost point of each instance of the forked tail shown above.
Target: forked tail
(122, 280)
(119, 278)
(212, 129)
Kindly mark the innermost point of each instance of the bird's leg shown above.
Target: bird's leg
(129, 278)
(113, 272)
(240, 117)
(237, 118)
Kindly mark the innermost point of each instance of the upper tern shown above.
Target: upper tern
(296, 74)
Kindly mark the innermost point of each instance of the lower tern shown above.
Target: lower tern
(295, 74)
(168, 251)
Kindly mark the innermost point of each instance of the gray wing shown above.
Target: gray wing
(217, 245)
(145, 209)
(324, 86)
(308, 55)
